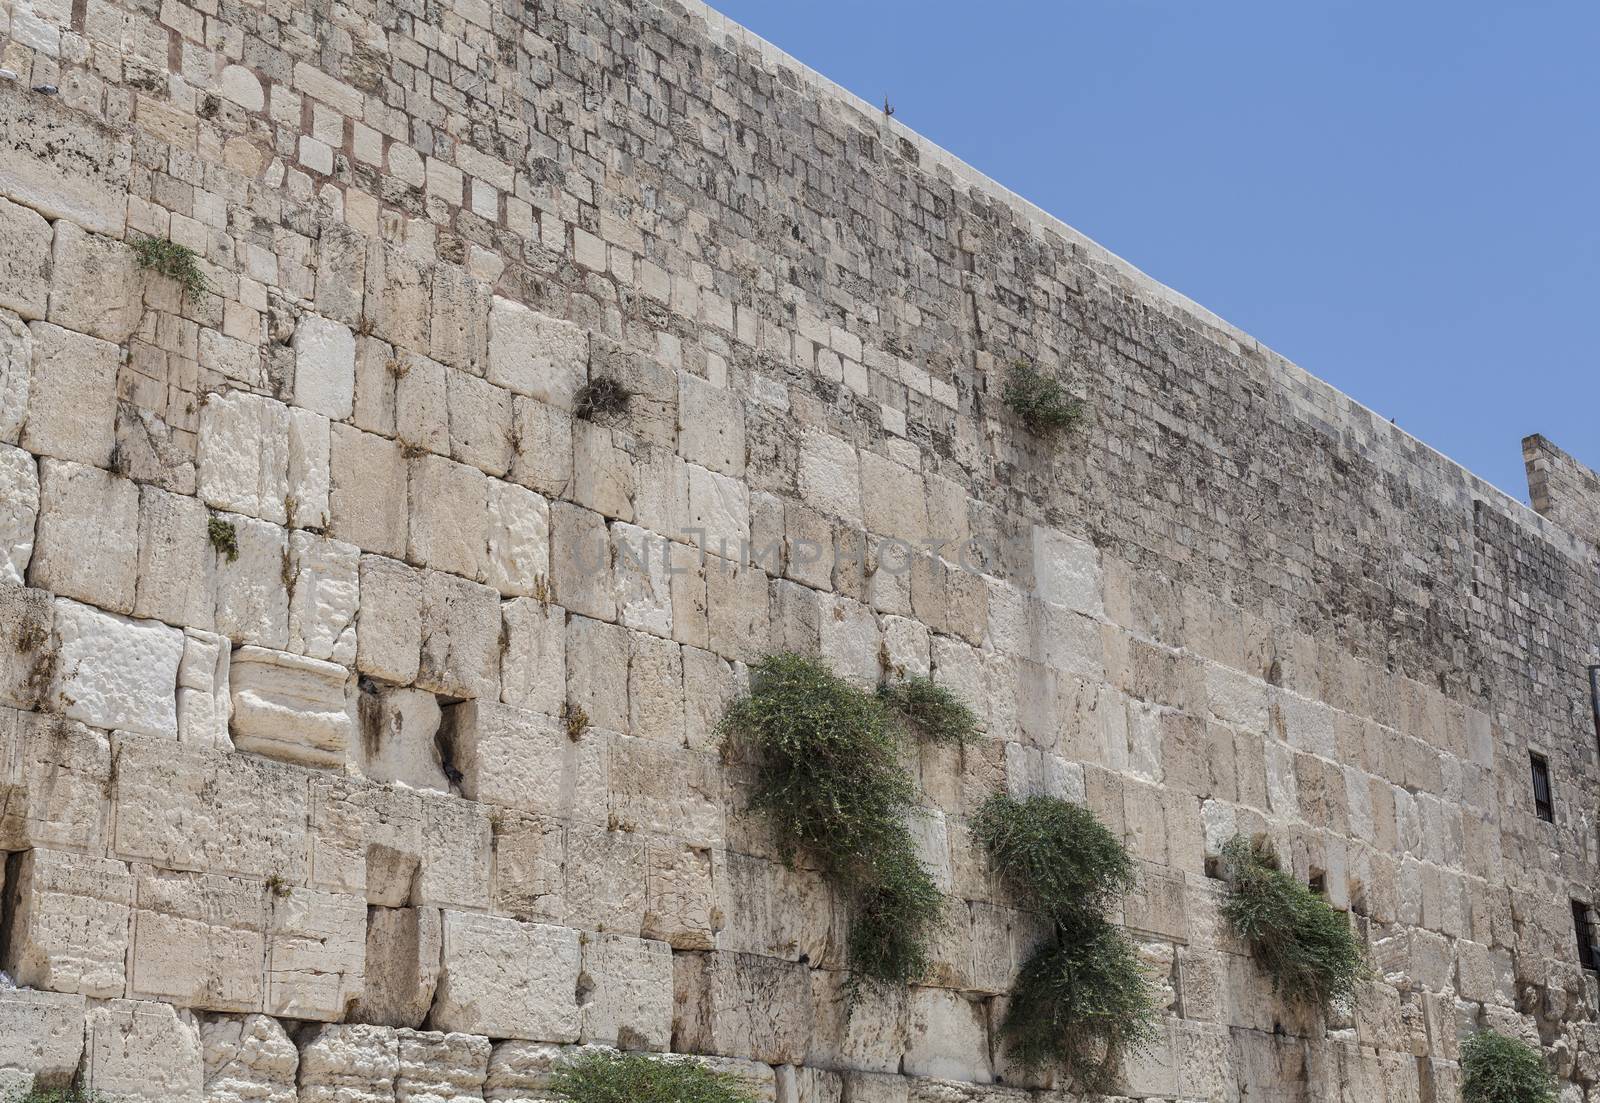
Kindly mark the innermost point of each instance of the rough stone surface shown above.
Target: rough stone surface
(41, 1039)
(290, 707)
(19, 511)
(24, 260)
(113, 672)
(136, 1049)
(508, 979)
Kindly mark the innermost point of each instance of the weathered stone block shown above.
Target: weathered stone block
(19, 510)
(455, 854)
(113, 672)
(607, 879)
(54, 775)
(529, 867)
(176, 563)
(139, 1050)
(517, 560)
(243, 463)
(198, 940)
(480, 422)
(324, 367)
(449, 529)
(24, 260)
(526, 760)
(324, 599)
(248, 1060)
(41, 1039)
(580, 561)
(70, 930)
(349, 1064)
(740, 1005)
(625, 993)
(436, 1067)
(290, 707)
(541, 438)
(306, 503)
(401, 740)
(508, 979)
(16, 370)
(368, 497)
(460, 654)
(389, 642)
(669, 790)
(86, 547)
(535, 355)
(97, 287)
(62, 163)
(948, 1037)
(402, 966)
(865, 1032)
(316, 953)
(533, 662)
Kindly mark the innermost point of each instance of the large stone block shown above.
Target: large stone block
(204, 704)
(24, 260)
(307, 504)
(324, 599)
(580, 561)
(368, 498)
(252, 587)
(199, 940)
(680, 899)
(63, 163)
(316, 953)
(324, 367)
(454, 867)
(526, 760)
(533, 662)
(670, 790)
(948, 1037)
(16, 370)
(402, 966)
(625, 993)
(517, 559)
(450, 517)
(19, 510)
(541, 439)
(248, 1059)
(97, 287)
(41, 1039)
(113, 672)
(349, 1064)
(740, 1005)
(389, 642)
(599, 683)
(243, 463)
(86, 543)
(535, 355)
(863, 1030)
(54, 778)
(137, 1050)
(529, 880)
(290, 707)
(177, 563)
(70, 930)
(480, 422)
(460, 654)
(607, 879)
(508, 979)
(436, 1067)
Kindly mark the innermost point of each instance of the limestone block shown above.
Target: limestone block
(455, 858)
(249, 1059)
(400, 739)
(480, 422)
(450, 522)
(771, 908)
(458, 335)
(349, 1064)
(603, 469)
(97, 286)
(865, 1031)
(324, 367)
(316, 953)
(310, 470)
(948, 1037)
(641, 560)
(25, 260)
(402, 966)
(625, 993)
(62, 163)
(533, 665)
(391, 838)
(711, 428)
(607, 878)
(41, 1039)
(521, 1070)
(580, 561)
(599, 683)
(806, 1085)
(529, 880)
(70, 930)
(368, 496)
(376, 368)
(138, 1050)
(830, 476)
(526, 760)
(906, 645)
(740, 1005)
(113, 672)
(338, 835)
(535, 355)
(665, 789)
(72, 396)
(737, 614)
(1066, 571)
(718, 516)
(460, 654)
(541, 439)
(655, 689)
(86, 546)
(436, 1067)
(176, 563)
(243, 460)
(291, 707)
(389, 641)
(19, 509)
(199, 940)
(54, 776)
(680, 895)
(422, 405)
(518, 558)
(16, 369)
(508, 979)
(851, 637)
(189, 808)
(710, 685)
(324, 599)
(893, 500)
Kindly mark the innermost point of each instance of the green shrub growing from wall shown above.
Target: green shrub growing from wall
(53, 1095)
(1041, 402)
(1081, 1001)
(605, 1077)
(1499, 1069)
(176, 262)
(933, 711)
(830, 781)
(1305, 944)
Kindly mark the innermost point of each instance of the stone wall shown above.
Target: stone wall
(306, 578)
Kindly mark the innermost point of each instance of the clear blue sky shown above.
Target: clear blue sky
(1400, 197)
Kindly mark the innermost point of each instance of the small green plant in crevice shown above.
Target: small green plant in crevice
(52, 1095)
(829, 780)
(224, 537)
(176, 262)
(1081, 1001)
(1042, 403)
(606, 1077)
(1305, 944)
(601, 396)
(934, 711)
(1496, 1068)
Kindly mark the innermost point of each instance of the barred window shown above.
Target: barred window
(1543, 804)
(1585, 931)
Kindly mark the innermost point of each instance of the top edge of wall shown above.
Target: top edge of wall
(1469, 485)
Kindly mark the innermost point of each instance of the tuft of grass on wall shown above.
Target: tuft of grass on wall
(1305, 944)
(600, 397)
(52, 1095)
(829, 780)
(176, 262)
(607, 1077)
(1081, 1001)
(935, 712)
(1042, 403)
(1496, 1068)
(224, 537)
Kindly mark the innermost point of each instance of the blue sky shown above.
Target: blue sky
(1400, 197)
